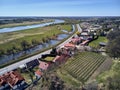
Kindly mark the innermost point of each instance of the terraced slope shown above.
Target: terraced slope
(83, 65)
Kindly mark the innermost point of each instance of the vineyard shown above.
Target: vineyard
(83, 65)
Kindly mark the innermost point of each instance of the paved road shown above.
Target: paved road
(79, 28)
(16, 65)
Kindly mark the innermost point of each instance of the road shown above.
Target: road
(17, 64)
(79, 28)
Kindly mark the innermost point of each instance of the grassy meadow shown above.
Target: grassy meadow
(30, 36)
(95, 43)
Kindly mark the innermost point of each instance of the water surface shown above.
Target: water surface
(17, 28)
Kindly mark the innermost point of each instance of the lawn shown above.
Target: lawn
(95, 43)
(8, 40)
(67, 78)
(49, 58)
(114, 70)
(28, 76)
(67, 27)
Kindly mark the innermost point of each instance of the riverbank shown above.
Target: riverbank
(47, 28)
(25, 23)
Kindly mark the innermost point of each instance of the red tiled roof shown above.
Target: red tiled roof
(2, 80)
(16, 74)
(38, 73)
(11, 78)
(83, 43)
(69, 45)
(43, 65)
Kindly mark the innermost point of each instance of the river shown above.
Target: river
(6, 58)
(17, 28)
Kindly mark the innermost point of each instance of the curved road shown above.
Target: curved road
(16, 65)
(79, 28)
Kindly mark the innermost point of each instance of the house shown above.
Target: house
(3, 84)
(70, 46)
(76, 40)
(2, 80)
(38, 74)
(44, 65)
(84, 42)
(14, 78)
(10, 79)
(60, 59)
(32, 63)
(63, 51)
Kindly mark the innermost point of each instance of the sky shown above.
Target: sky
(59, 7)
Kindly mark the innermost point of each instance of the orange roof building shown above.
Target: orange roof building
(69, 45)
(85, 42)
(38, 74)
(44, 65)
(12, 78)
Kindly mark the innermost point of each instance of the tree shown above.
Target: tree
(35, 42)
(2, 52)
(113, 34)
(43, 40)
(10, 51)
(25, 45)
(113, 47)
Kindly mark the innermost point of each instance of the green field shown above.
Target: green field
(49, 58)
(32, 37)
(80, 67)
(114, 71)
(95, 43)
(110, 79)
(15, 47)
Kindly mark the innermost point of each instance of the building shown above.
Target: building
(76, 40)
(70, 46)
(38, 74)
(84, 42)
(32, 63)
(11, 79)
(44, 65)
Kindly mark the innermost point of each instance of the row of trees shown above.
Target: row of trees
(24, 45)
(113, 47)
(11, 20)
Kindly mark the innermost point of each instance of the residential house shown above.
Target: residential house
(38, 74)
(11, 79)
(84, 42)
(76, 41)
(44, 65)
(32, 63)
(70, 46)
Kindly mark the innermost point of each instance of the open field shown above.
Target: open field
(25, 23)
(114, 71)
(26, 56)
(8, 40)
(80, 68)
(95, 43)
